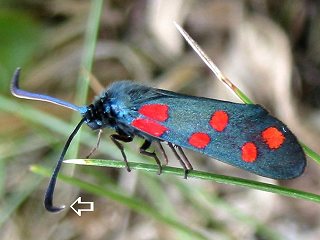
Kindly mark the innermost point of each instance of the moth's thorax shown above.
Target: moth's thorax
(99, 114)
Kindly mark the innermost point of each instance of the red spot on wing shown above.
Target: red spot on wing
(149, 126)
(249, 152)
(199, 140)
(273, 137)
(219, 120)
(158, 112)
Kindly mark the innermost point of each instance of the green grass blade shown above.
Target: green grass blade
(131, 202)
(289, 192)
(244, 98)
(89, 49)
(86, 61)
(312, 154)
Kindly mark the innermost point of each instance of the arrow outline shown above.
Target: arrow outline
(80, 210)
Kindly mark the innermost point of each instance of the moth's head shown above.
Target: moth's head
(98, 114)
(92, 118)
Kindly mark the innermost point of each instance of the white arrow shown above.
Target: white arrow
(80, 210)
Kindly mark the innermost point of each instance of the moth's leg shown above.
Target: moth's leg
(116, 138)
(163, 153)
(180, 160)
(186, 160)
(97, 144)
(143, 150)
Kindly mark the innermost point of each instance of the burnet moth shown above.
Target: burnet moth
(242, 135)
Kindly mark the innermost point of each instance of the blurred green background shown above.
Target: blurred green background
(270, 49)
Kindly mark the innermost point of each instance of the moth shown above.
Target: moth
(243, 135)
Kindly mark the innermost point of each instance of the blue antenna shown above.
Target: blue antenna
(48, 199)
(16, 91)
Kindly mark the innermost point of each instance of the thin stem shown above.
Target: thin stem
(205, 176)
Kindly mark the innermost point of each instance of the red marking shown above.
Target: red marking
(273, 137)
(199, 140)
(219, 120)
(249, 152)
(157, 112)
(149, 126)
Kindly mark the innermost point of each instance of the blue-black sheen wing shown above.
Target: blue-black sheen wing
(188, 115)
